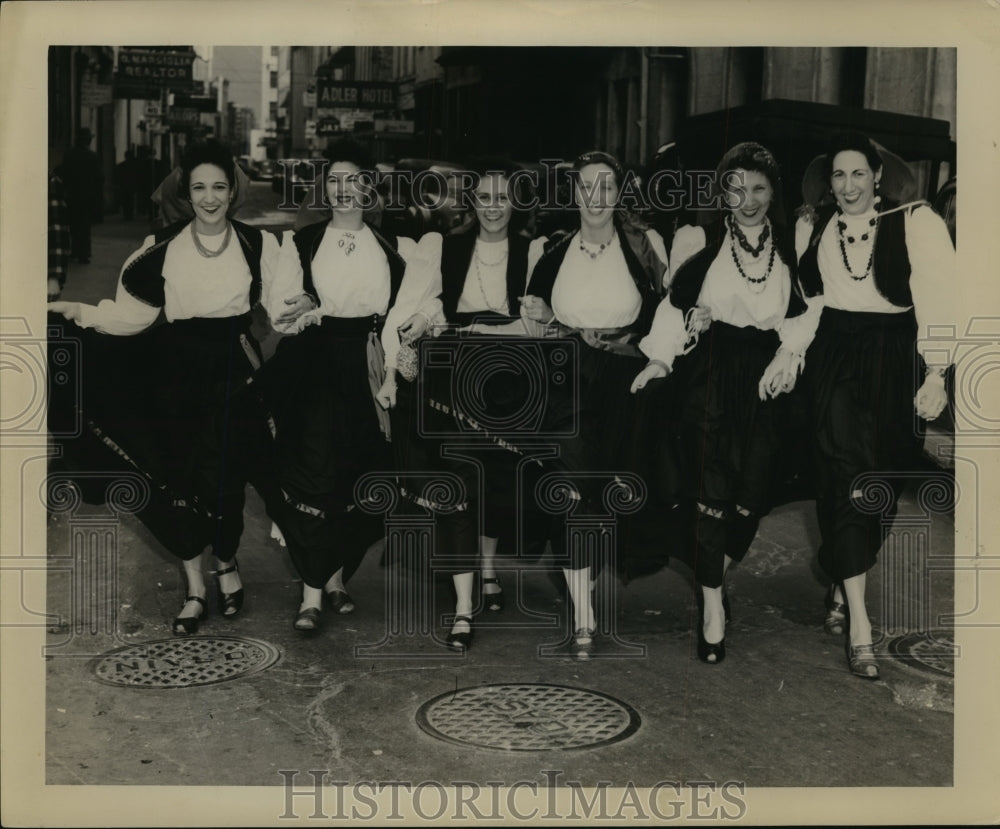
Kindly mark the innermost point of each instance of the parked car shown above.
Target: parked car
(267, 169)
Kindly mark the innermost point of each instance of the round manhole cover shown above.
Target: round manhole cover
(934, 651)
(527, 717)
(181, 663)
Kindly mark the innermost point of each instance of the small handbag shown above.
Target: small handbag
(407, 361)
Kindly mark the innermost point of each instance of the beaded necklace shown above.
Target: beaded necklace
(592, 253)
(479, 278)
(870, 234)
(756, 285)
(211, 254)
(753, 250)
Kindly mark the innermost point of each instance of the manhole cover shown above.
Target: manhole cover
(527, 717)
(181, 663)
(934, 651)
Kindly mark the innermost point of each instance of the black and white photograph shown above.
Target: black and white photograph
(499, 413)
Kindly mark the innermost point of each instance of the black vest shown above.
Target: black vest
(643, 264)
(143, 278)
(686, 285)
(307, 242)
(457, 251)
(890, 264)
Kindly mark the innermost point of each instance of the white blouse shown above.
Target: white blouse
(485, 286)
(598, 293)
(358, 284)
(495, 280)
(932, 272)
(729, 298)
(195, 286)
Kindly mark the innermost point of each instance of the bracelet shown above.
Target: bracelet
(660, 363)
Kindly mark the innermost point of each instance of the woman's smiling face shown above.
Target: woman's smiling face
(748, 195)
(493, 205)
(596, 194)
(344, 187)
(210, 193)
(853, 182)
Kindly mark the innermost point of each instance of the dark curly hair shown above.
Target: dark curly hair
(206, 152)
(345, 149)
(851, 142)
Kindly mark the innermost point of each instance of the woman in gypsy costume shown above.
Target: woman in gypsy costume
(880, 268)
(733, 290)
(599, 285)
(179, 402)
(484, 271)
(333, 377)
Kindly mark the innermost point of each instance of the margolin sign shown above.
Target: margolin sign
(167, 69)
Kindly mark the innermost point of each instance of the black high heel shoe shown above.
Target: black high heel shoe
(231, 603)
(493, 601)
(711, 653)
(461, 641)
(188, 625)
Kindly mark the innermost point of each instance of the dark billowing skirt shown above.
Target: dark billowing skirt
(602, 430)
(861, 375)
(730, 446)
(178, 405)
(328, 437)
(477, 400)
(730, 436)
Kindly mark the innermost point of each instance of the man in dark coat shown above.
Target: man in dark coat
(81, 172)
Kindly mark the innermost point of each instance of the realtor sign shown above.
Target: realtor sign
(142, 68)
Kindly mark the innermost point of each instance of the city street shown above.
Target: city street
(360, 699)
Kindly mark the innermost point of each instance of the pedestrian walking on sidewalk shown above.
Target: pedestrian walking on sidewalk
(125, 181)
(880, 266)
(81, 174)
(735, 310)
(59, 236)
(332, 379)
(179, 402)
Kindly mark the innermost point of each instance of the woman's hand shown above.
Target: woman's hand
(932, 397)
(779, 376)
(413, 329)
(655, 369)
(54, 289)
(297, 306)
(386, 396)
(537, 309)
(699, 319)
(70, 310)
